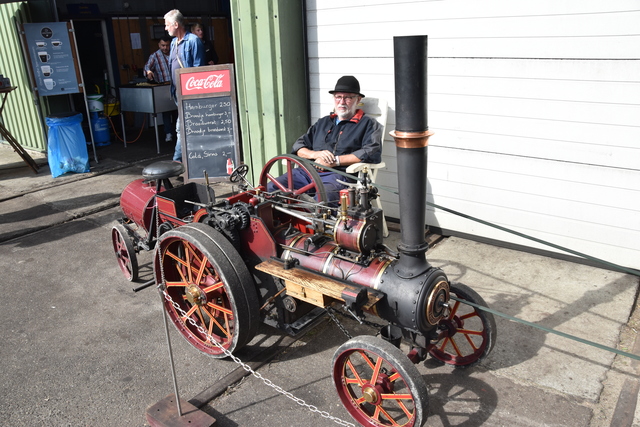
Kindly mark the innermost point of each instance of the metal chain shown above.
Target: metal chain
(257, 375)
(333, 317)
(362, 319)
(266, 381)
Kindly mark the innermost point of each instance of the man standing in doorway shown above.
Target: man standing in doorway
(157, 70)
(186, 51)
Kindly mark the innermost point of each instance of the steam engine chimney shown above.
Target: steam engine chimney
(411, 137)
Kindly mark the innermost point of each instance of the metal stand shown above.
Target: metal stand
(165, 413)
(173, 368)
(6, 135)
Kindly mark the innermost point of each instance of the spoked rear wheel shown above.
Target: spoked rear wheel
(285, 183)
(468, 333)
(125, 252)
(378, 384)
(213, 293)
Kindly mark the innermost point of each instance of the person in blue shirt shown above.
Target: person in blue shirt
(157, 70)
(186, 51)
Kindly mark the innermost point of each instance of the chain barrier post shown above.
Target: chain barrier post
(164, 313)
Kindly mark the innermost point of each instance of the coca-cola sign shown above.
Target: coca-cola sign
(205, 82)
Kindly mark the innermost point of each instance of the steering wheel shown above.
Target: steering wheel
(239, 173)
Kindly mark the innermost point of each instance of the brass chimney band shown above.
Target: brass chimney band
(411, 139)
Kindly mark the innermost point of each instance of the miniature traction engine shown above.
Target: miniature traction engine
(284, 257)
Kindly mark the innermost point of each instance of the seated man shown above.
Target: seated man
(338, 140)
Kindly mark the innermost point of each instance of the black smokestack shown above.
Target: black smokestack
(411, 137)
(410, 69)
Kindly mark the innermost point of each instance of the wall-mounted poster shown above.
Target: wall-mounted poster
(53, 61)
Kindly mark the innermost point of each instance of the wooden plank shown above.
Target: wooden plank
(309, 295)
(311, 285)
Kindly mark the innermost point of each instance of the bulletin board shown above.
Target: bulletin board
(53, 60)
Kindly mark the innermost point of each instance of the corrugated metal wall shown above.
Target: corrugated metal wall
(271, 77)
(20, 113)
(534, 106)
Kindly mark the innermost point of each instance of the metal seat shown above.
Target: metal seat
(161, 172)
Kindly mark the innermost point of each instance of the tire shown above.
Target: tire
(378, 384)
(209, 286)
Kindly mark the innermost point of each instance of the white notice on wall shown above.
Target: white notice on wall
(135, 41)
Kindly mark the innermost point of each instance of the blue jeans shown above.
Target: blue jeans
(177, 153)
(167, 122)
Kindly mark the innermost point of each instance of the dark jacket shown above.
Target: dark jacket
(361, 136)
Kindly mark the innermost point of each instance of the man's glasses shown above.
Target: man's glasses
(347, 98)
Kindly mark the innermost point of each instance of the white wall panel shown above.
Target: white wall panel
(535, 108)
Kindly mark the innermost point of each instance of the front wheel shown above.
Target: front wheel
(378, 384)
(468, 334)
(213, 297)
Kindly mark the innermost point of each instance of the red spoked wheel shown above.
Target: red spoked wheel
(125, 252)
(378, 384)
(207, 280)
(467, 333)
(285, 182)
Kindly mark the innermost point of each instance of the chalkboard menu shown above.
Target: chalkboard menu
(207, 105)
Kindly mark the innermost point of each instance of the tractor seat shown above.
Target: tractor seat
(161, 172)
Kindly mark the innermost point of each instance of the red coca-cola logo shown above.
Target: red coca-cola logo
(205, 82)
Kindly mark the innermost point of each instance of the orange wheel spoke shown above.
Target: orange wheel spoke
(455, 347)
(469, 315)
(387, 416)
(175, 258)
(394, 396)
(444, 343)
(471, 343)
(210, 331)
(175, 284)
(224, 330)
(213, 287)
(454, 310)
(404, 408)
(355, 373)
(202, 321)
(220, 308)
(189, 313)
(366, 359)
(394, 376)
(469, 332)
(376, 370)
(200, 272)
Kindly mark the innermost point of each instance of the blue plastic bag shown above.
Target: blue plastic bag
(67, 146)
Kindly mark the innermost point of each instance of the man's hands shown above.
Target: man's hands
(324, 157)
(149, 75)
(327, 158)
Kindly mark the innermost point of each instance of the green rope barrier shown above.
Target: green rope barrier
(535, 325)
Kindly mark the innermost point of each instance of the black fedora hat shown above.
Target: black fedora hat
(348, 84)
